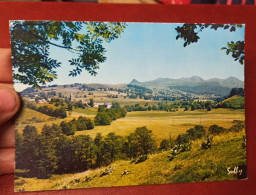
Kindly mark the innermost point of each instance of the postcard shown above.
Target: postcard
(121, 103)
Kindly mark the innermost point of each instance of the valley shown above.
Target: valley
(99, 135)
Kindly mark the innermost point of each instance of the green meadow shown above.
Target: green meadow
(163, 124)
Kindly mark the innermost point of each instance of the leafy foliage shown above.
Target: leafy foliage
(53, 151)
(106, 115)
(140, 143)
(216, 129)
(190, 34)
(236, 91)
(237, 126)
(31, 41)
(194, 133)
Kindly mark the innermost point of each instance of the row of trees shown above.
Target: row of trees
(52, 152)
(199, 132)
(106, 115)
(58, 112)
(172, 107)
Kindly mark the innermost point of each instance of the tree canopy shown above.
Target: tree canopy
(31, 41)
(190, 34)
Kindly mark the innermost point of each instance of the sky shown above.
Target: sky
(147, 51)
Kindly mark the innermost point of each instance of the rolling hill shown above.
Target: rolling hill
(235, 102)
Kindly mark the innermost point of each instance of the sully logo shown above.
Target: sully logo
(234, 171)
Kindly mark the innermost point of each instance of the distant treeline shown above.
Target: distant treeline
(58, 112)
(172, 107)
(52, 152)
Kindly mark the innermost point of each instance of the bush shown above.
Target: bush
(164, 145)
(68, 128)
(216, 130)
(182, 139)
(102, 118)
(238, 126)
(196, 133)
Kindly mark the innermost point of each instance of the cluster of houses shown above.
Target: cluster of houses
(71, 98)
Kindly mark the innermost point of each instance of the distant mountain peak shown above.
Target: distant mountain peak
(196, 78)
(193, 79)
(232, 78)
(134, 81)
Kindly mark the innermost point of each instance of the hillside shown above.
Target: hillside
(192, 166)
(235, 102)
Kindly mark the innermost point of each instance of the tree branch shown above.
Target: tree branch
(45, 41)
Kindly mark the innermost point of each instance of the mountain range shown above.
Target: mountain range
(194, 85)
(230, 82)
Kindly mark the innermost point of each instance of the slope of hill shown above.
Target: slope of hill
(235, 102)
(226, 153)
(32, 115)
(230, 82)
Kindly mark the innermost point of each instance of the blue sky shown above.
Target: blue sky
(146, 51)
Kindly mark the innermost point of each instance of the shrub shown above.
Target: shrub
(67, 128)
(182, 139)
(216, 130)
(196, 133)
(102, 118)
(238, 126)
(164, 145)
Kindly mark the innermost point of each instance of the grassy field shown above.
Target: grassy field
(163, 124)
(191, 166)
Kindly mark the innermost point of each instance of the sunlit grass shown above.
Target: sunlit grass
(192, 166)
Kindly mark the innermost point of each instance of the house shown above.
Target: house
(97, 104)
